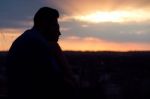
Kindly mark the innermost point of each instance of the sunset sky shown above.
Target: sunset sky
(86, 25)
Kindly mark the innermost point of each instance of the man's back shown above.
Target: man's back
(32, 67)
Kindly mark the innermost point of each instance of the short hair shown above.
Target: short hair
(45, 13)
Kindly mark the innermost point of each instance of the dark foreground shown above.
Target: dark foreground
(105, 75)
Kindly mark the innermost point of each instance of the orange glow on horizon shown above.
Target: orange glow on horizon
(94, 44)
(80, 44)
(6, 40)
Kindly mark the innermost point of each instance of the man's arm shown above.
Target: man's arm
(69, 76)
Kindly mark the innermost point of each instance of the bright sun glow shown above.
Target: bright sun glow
(114, 16)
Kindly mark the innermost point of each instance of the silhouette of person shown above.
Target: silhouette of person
(35, 62)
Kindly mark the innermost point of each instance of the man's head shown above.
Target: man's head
(46, 21)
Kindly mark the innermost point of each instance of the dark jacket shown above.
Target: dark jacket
(35, 67)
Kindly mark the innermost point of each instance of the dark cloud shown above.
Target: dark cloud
(15, 12)
(116, 32)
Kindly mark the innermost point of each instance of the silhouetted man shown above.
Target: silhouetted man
(36, 65)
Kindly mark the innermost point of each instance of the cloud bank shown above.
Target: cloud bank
(86, 6)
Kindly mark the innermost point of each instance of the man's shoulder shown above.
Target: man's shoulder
(25, 41)
(29, 36)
